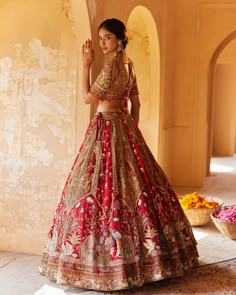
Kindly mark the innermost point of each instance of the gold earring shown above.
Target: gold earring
(119, 48)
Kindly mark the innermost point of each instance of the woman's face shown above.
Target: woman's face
(107, 41)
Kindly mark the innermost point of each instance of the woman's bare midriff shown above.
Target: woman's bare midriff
(109, 106)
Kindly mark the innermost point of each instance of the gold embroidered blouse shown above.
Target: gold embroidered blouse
(116, 80)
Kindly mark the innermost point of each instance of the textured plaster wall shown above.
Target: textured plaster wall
(37, 124)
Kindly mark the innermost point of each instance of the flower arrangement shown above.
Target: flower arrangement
(194, 200)
(227, 214)
(224, 219)
(198, 208)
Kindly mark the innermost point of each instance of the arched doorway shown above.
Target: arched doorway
(221, 100)
(144, 50)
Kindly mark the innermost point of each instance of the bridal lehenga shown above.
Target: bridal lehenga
(118, 224)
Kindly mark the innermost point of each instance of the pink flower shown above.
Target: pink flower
(227, 214)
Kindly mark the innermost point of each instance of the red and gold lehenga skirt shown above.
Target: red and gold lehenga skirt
(119, 224)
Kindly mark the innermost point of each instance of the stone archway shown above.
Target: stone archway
(144, 50)
(211, 91)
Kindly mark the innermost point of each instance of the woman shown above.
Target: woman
(119, 224)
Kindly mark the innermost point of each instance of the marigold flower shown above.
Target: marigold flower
(194, 200)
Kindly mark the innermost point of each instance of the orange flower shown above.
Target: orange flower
(194, 200)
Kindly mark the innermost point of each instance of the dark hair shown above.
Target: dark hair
(117, 28)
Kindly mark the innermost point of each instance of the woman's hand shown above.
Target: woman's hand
(88, 58)
(88, 53)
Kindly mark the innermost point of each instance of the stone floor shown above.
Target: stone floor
(19, 272)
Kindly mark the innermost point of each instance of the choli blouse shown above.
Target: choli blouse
(117, 80)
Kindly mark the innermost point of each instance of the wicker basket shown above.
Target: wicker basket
(201, 216)
(225, 227)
